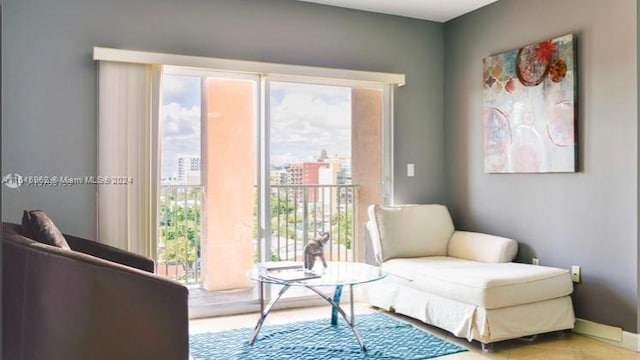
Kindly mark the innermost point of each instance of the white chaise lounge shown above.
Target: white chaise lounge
(463, 282)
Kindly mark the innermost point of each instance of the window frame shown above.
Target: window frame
(265, 73)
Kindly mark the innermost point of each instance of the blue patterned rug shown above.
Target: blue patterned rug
(384, 337)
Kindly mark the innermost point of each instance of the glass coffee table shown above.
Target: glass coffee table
(338, 274)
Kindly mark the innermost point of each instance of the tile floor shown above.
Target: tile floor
(547, 347)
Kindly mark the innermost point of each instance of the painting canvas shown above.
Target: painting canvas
(529, 98)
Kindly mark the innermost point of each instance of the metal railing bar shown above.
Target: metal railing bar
(278, 220)
(305, 218)
(338, 222)
(315, 213)
(185, 215)
(295, 221)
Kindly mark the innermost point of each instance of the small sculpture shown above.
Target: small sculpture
(315, 248)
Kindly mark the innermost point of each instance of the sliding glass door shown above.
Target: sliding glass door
(325, 151)
(325, 165)
(271, 164)
(208, 227)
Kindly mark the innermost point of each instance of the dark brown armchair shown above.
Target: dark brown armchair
(93, 302)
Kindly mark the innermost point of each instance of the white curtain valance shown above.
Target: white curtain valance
(253, 67)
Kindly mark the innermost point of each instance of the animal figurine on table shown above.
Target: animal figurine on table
(315, 248)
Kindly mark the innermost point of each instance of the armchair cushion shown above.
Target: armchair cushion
(410, 231)
(38, 226)
(482, 247)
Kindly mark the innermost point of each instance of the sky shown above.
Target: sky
(305, 119)
(308, 118)
(180, 119)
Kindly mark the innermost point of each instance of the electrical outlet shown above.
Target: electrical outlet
(535, 261)
(575, 274)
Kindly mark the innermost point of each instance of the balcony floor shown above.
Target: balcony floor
(201, 298)
(203, 303)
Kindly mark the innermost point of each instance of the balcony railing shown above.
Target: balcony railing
(299, 213)
(180, 232)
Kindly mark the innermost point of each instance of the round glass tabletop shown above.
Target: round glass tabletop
(335, 274)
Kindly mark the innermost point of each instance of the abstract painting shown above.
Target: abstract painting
(529, 99)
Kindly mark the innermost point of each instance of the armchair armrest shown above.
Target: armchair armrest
(482, 247)
(374, 238)
(110, 253)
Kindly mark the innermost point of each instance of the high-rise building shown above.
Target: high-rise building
(278, 177)
(189, 170)
(329, 176)
(306, 173)
(294, 174)
(344, 173)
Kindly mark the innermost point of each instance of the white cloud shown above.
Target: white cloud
(180, 135)
(309, 118)
(304, 120)
(179, 121)
(173, 86)
(180, 89)
(283, 158)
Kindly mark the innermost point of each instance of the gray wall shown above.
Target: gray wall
(49, 79)
(588, 218)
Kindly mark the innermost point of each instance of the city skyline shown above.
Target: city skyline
(304, 120)
(189, 167)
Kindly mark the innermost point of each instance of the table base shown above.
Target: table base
(335, 310)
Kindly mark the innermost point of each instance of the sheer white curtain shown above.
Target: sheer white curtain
(128, 163)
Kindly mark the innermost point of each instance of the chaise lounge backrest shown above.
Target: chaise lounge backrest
(409, 231)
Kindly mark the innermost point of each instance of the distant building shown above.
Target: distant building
(344, 173)
(323, 155)
(278, 177)
(325, 170)
(294, 174)
(189, 170)
(306, 173)
(329, 176)
(170, 181)
(193, 177)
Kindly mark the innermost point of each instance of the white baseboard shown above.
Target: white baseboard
(244, 308)
(609, 334)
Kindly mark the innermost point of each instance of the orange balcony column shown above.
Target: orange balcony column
(366, 156)
(228, 176)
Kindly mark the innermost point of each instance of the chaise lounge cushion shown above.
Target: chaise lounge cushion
(482, 247)
(488, 285)
(429, 233)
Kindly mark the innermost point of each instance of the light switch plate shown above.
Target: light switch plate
(411, 170)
